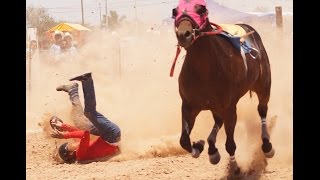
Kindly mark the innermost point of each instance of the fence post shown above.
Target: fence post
(279, 17)
(29, 59)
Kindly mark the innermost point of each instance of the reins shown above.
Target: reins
(196, 34)
(175, 60)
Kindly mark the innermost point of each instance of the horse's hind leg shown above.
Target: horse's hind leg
(263, 93)
(230, 120)
(189, 115)
(263, 109)
(214, 155)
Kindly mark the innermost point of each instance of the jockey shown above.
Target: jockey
(105, 133)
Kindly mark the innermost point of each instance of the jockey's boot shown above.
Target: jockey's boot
(67, 88)
(72, 90)
(82, 77)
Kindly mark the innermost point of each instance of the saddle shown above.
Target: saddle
(235, 34)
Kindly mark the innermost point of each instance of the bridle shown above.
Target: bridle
(196, 33)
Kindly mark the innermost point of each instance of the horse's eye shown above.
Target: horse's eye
(200, 9)
(174, 13)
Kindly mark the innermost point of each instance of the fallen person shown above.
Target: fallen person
(107, 134)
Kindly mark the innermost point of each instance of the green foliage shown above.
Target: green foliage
(39, 18)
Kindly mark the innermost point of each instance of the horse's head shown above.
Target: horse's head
(190, 16)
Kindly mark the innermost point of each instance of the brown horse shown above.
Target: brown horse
(214, 77)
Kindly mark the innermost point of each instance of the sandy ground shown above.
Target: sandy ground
(134, 90)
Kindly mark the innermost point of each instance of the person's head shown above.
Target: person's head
(64, 45)
(68, 156)
(33, 45)
(68, 37)
(58, 36)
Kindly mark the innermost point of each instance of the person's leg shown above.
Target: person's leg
(79, 120)
(109, 131)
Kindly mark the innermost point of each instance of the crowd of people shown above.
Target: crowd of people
(63, 47)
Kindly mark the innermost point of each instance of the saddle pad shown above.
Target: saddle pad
(233, 29)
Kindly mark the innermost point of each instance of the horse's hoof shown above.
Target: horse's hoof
(195, 153)
(234, 168)
(270, 154)
(197, 148)
(215, 158)
(236, 171)
(267, 148)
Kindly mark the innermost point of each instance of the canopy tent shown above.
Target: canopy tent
(68, 27)
(78, 32)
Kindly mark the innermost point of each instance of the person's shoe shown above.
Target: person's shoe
(67, 88)
(82, 77)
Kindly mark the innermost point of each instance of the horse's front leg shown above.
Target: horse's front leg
(214, 155)
(230, 121)
(189, 115)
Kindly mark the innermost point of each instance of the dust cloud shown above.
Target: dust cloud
(130, 69)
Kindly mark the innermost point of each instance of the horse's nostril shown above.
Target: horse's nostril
(187, 34)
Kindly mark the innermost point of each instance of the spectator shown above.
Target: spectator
(32, 49)
(55, 49)
(70, 46)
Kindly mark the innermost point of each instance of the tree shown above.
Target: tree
(39, 18)
(114, 21)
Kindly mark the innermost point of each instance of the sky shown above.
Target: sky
(146, 10)
(70, 10)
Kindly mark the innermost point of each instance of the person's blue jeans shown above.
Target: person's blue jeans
(108, 130)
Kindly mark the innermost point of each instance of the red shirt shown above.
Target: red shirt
(89, 150)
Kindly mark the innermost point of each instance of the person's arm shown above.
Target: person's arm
(68, 135)
(84, 142)
(83, 145)
(58, 124)
(69, 128)
(75, 134)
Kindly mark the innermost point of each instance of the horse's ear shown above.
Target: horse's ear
(200, 9)
(174, 13)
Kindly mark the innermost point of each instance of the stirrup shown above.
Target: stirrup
(55, 119)
(255, 50)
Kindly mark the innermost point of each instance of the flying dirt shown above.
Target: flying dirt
(133, 89)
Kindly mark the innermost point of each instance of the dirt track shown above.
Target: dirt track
(144, 101)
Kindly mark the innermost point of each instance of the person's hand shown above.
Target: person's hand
(56, 123)
(56, 134)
